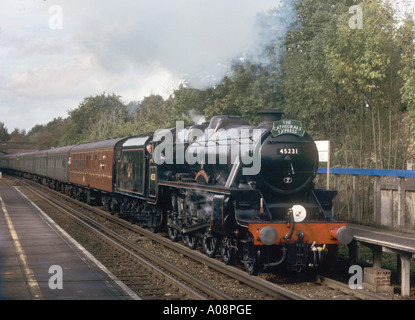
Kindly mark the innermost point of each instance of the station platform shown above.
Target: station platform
(40, 261)
(383, 240)
(387, 238)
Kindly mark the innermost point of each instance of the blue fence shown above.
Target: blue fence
(369, 172)
(360, 196)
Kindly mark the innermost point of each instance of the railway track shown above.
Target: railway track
(346, 290)
(141, 245)
(132, 239)
(121, 257)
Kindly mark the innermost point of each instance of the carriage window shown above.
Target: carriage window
(100, 162)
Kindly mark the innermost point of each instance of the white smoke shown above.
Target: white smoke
(131, 48)
(195, 40)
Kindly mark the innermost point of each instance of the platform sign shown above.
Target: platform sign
(323, 148)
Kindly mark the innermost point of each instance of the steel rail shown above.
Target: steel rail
(358, 293)
(253, 281)
(262, 285)
(128, 246)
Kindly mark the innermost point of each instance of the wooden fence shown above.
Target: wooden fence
(372, 196)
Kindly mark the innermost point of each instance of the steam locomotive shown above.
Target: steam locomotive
(236, 190)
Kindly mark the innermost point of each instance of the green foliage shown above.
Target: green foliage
(351, 80)
(4, 133)
(49, 135)
(18, 135)
(188, 104)
(85, 122)
(153, 113)
(250, 89)
(406, 38)
(110, 124)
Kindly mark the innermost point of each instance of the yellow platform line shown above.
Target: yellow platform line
(32, 283)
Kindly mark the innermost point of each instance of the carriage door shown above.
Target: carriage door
(152, 190)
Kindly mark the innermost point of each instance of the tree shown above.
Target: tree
(4, 133)
(89, 111)
(350, 80)
(18, 135)
(406, 38)
(108, 125)
(249, 89)
(153, 113)
(49, 135)
(307, 88)
(187, 104)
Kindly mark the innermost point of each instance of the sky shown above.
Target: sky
(54, 53)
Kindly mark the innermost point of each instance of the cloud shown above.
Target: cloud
(131, 48)
(193, 38)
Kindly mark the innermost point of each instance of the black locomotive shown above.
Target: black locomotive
(237, 190)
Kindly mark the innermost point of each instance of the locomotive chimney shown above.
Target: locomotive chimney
(267, 117)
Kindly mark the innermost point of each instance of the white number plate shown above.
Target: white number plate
(288, 151)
